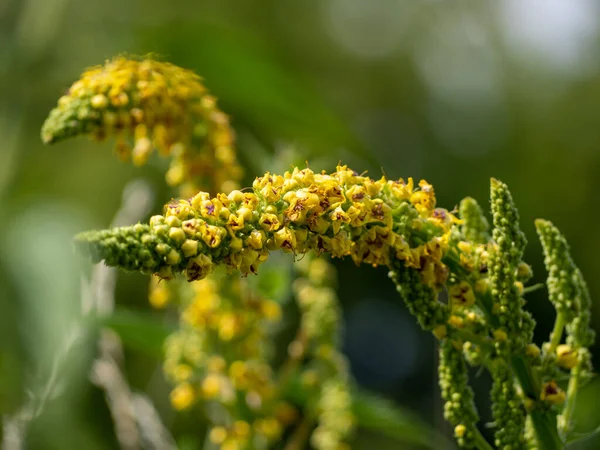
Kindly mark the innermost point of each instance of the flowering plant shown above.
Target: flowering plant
(464, 282)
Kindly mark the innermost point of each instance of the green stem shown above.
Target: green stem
(557, 332)
(480, 442)
(533, 288)
(565, 418)
(544, 422)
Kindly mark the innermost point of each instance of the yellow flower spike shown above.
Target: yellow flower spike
(373, 232)
(552, 394)
(183, 396)
(566, 356)
(155, 105)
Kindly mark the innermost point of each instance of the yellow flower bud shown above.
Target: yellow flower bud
(218, 435)
(500, 335)
(566, 356)
(211, 386)
(532, 350)
(440, 331)
(189, 248)
(182, 396)
(460, 430)
(99, 101)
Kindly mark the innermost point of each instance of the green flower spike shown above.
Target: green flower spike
(459, 408)
(505, 259)
(570, 296)
(508, 410)
(475, 226)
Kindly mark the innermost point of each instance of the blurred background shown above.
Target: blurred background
(454, 92)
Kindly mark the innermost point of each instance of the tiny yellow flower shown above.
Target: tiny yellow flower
(182, 396)
(566, 356)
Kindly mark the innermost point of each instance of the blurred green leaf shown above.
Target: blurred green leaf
(590, 441)
(274, 280)
(384, 417)
(274, 101)
(139, 331)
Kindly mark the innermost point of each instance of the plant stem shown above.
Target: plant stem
(544, 422)
(565, 418)
(480, 442)
(557, 331)
(533, 288)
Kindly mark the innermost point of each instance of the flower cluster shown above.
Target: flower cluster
(343, 213)
(147, 105)
(220, 358)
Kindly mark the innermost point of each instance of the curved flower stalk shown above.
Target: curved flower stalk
(343, 213)
(146, 105)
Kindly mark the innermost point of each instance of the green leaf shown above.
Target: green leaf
(589, 441)
(384, 417)
(139, 331)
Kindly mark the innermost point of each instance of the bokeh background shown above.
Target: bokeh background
(454, 92)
